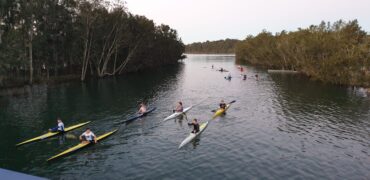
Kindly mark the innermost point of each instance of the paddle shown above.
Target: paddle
(228, 103)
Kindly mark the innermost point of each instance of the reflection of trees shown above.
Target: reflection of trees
(25, 110)
(121, 93)
(310, 107)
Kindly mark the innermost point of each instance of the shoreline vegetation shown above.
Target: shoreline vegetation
(50, 41)
(226, 46)
(335, 53)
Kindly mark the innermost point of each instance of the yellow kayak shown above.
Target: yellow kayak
(80, 146)
(51, 134)
(221, 111)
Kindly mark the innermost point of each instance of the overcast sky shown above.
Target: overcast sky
(201, 20)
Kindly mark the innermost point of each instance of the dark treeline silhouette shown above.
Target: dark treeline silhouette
(337, 53)
(45, 39)
(226, 46)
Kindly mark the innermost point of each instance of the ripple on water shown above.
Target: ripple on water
(281, 127)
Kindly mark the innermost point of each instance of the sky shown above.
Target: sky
(202, 20)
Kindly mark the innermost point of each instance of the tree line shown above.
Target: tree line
(337, 53)
(226, 46)
(85, 38)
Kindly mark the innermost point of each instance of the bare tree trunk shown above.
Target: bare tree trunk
(1, 33)
(129, 57)
(115, 60)
(85, 60)
(30, 56)
(107, 51)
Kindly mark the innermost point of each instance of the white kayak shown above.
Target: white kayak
(191, 136)
(177, 114)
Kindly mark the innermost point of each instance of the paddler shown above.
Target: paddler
(179, 107)
(222, 69)
(244, 77)
(222, 104)
(88, 136)
(59, 127)
(142, 109)
(195, 125)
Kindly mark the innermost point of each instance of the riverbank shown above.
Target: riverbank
(332, 53)
(205, 54)
(21, 87)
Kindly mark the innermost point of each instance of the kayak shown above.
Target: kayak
(192, 136)
(51, 134)
(137, 116)
(221, 111)
(223, 70)
(80, 146)
(177, 114)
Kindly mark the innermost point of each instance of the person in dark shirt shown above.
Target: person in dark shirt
(195, 125)
(222, 104)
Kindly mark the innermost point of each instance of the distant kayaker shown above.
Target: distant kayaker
(59, 127)
(179, 107)
(195, 125)
(212, 66)
(244, 77)
(222, 104)
(142, 109)
(256, 76)
(229, 76)
(222, 69)
(88, 136)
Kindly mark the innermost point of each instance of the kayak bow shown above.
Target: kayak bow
(192, 136)
(80, 146)
(51, 134)
(177, 114)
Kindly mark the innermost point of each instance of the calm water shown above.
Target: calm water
(281, 127)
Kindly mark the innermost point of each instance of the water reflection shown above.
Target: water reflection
(317, 110)
(285, 126)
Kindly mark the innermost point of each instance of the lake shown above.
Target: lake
(280, 127)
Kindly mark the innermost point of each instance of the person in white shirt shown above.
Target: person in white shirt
(59, 127)
(88, 136)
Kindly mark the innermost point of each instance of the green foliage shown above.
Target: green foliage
(95, 37)
(226, 46)
(337, 53)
